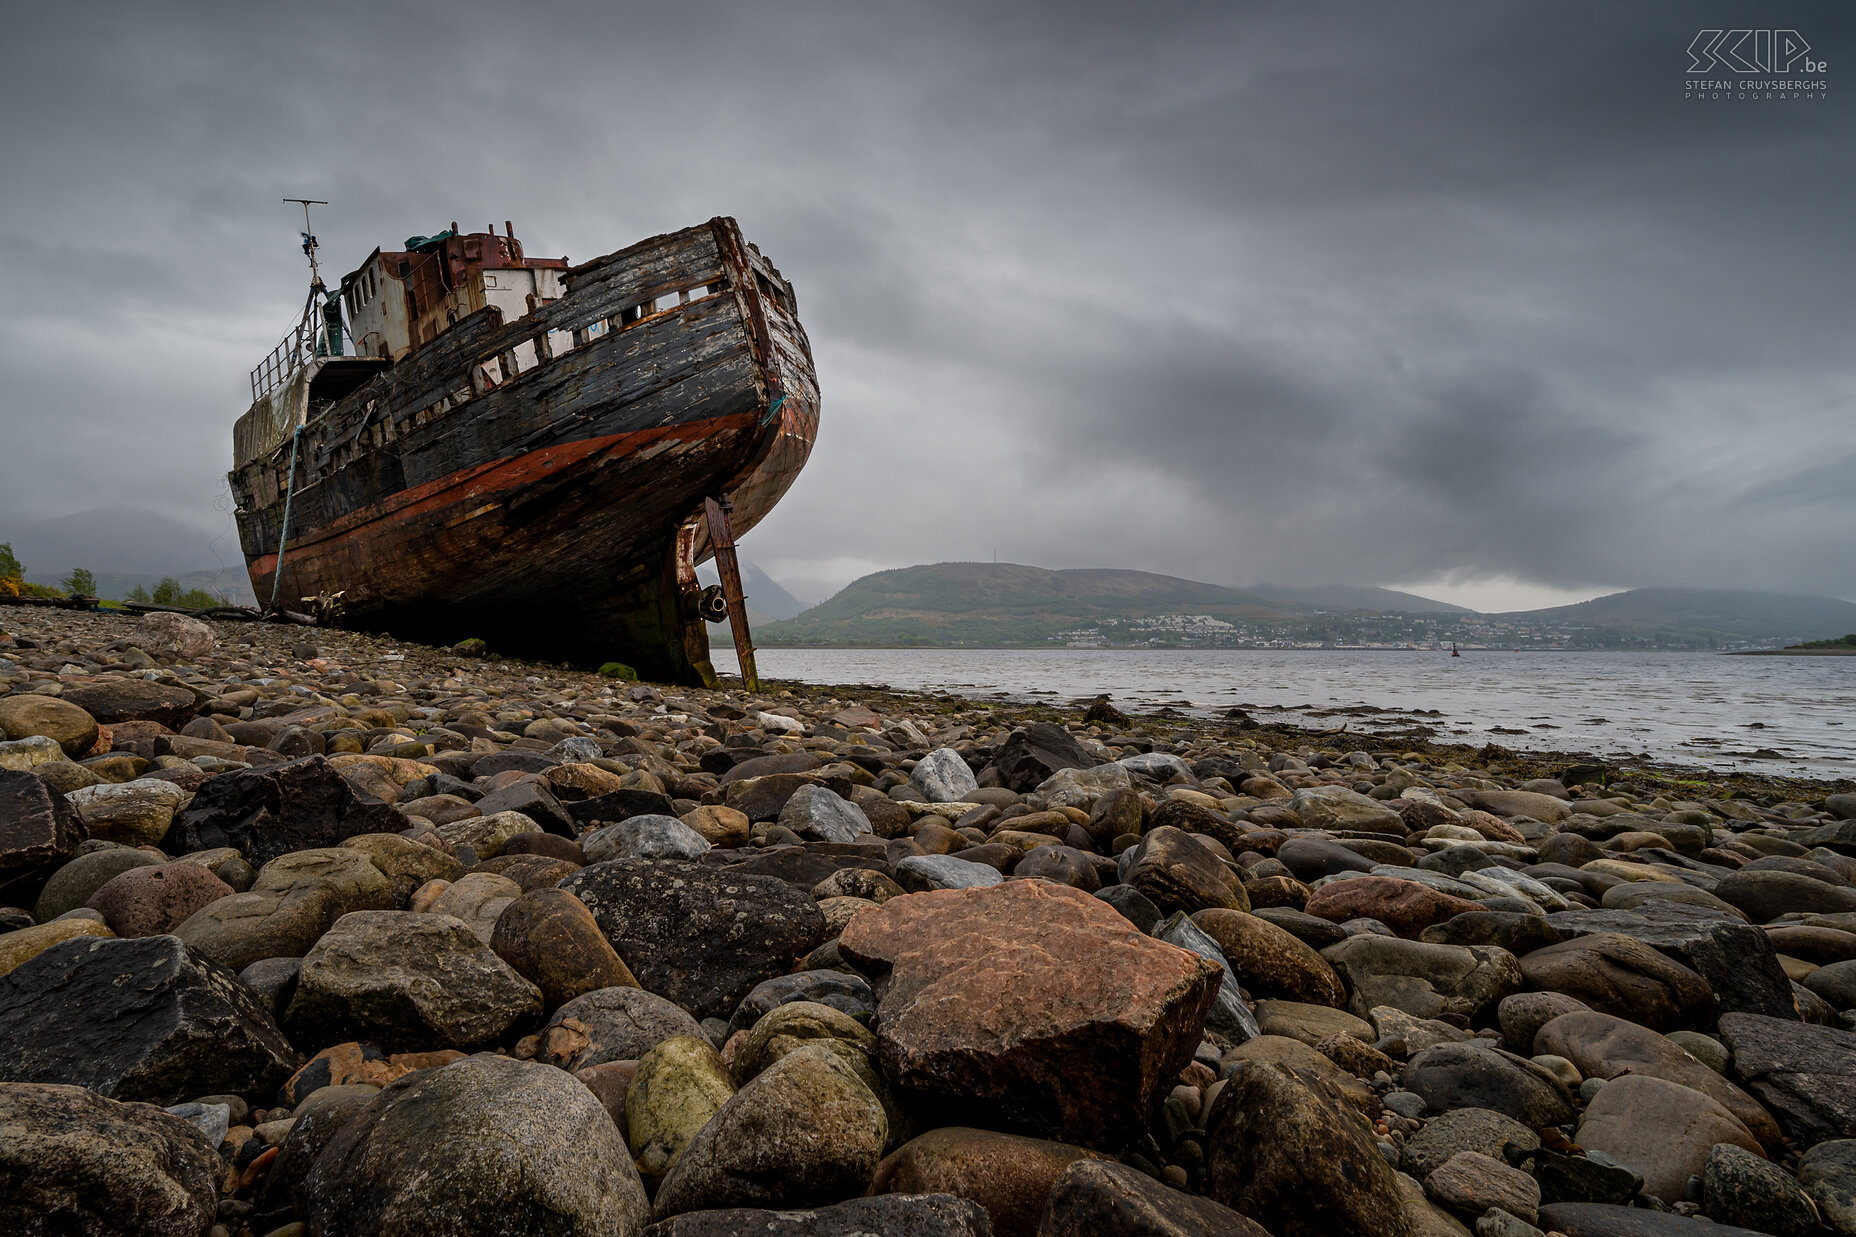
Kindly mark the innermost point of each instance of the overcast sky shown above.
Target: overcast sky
(1462, 297)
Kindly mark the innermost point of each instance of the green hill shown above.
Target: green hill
(1009, 604)
(1693, 618)
(1001, 603)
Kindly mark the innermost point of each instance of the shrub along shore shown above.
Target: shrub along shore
(310, 931)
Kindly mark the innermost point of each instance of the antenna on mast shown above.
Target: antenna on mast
(309, 239)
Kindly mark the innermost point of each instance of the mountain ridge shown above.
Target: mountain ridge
(957, 604)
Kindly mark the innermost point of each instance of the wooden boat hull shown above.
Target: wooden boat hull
(539, 484)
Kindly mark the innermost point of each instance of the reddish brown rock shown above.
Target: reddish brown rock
(152, 901)
(1406, 907)
(1033, 1004)
(1269, 962)
(553, 941)
(609, 1083)
(1011, 1177)
(1622, 976)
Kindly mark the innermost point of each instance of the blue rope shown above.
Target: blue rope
(773, 409)
(283, 535)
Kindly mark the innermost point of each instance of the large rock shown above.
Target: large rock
(1764, 895)
(408, 982)
(73, 1162)
(477, 899)
(1010, 1176)
(1544, 807)
(805, 1131)
(553, 941)
(1741, 968)
(1176, 872)
(890, 1215)
(357, 884)
(1298, 1161)
(533, 800)
(1470, 1183)
(1617, 975)
(38, 829)
(272, 810)
(153, 901)
(942, 776)
(611, 1024)
(679, 1085)
(1033, 752)
(1605, 1046)
(1269, 962)
(137, 813)
(645, 837)
(71, 885)
(1032, 1003)
(1661, 1129)
(113, 699)
(925, 873)
(137, 1020)
(819, 815)
(482, 1147)
(486, 834)
(1107, 1199)
(1828, 1174)
(1404, 906)
(1475, 1074)
(250, 927)
(175, 635)
(405, 863)
(315, 1120)
(701, 937)
(1739, 1187)
(1338, 808)
(1805, 1075)
(24, 716)
(1423, 979)
(806, 1024)
(1481, 1130)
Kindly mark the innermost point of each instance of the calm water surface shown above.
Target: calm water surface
(1773, 715)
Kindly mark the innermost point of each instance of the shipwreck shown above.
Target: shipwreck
(463, 441)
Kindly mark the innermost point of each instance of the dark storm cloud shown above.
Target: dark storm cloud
(1305, 292)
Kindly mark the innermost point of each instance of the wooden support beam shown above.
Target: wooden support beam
(722, 538)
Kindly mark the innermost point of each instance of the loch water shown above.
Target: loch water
(1790, 716)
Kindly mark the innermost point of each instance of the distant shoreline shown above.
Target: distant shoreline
(1793, 653)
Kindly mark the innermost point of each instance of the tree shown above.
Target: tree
(138, 595)
(167, 592)
(12, 575)
(80, 583)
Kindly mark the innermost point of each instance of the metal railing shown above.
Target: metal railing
(306, 341)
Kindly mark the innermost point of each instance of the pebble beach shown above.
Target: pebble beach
(307, 933)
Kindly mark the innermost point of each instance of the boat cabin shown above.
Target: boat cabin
(392, 303)
(400, 299)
